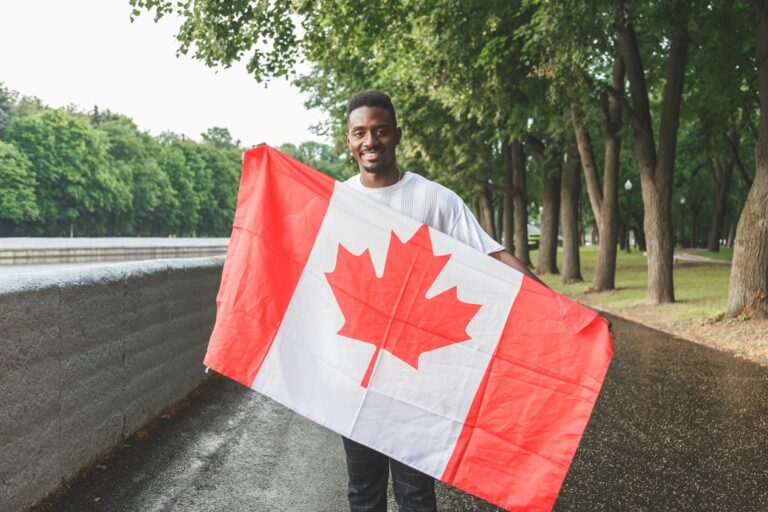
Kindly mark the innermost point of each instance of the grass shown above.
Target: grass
(701, 289)
(725, 254)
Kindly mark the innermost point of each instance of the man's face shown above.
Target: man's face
(372, 137)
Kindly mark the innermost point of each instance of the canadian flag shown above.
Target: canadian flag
(402, 338)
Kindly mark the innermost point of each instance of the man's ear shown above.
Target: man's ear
(398, 134)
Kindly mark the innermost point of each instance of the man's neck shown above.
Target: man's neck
(380, 179)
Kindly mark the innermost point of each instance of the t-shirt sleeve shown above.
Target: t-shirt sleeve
(466, 229)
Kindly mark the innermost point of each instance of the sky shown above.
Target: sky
(87, 52)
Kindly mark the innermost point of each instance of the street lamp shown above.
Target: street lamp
(627, 187)
(682, 220)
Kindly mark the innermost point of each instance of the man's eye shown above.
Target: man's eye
(357, 133)
(381, 132)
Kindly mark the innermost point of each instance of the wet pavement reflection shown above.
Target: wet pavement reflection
(677, 426)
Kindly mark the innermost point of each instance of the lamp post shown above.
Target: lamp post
(682, 220)
(627, 188)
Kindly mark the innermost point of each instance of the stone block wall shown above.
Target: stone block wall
(88, 356)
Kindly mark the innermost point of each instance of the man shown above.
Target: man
(372, 137)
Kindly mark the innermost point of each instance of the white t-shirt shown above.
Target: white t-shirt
(434, 205)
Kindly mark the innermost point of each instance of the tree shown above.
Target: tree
(404, 46)
(570, 194)
(7, 107)
(173, 161)
(604, 200)
(148, 201)
(225, 165)
(550, 216)
(220, 138)
(321, 157)
(74, 187)
(28, 106)
(656, 163)
(748, 289)
(17, 189)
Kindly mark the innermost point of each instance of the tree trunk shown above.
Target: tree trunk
(694, 222)
(748, 290)
(486, 212)
(731, 234)
(508, 201)
(517, 162)
(508, 223)
(722, 174)
(570, 193)
(656, 167)
(627, 245)
(622, 229)
(640, 233)
(605, 201)
(547, 260)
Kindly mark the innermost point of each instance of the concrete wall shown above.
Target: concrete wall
(17, 251)
(88, 356)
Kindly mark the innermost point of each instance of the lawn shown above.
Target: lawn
(701, 289)
(725, 253)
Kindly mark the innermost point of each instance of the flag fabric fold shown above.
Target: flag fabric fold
(402, 338)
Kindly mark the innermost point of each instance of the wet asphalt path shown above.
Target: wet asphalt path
(678, 426)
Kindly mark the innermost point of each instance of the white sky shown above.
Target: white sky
(87, 52)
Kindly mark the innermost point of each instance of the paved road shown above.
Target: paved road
(677, 426)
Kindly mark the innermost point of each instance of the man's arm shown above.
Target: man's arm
(508, 259)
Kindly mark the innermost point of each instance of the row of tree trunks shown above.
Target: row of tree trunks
(656, 168)
(569, 216)
(721, 175)
(514, 162)
(623, 236)
(637, 227)
(748, 289)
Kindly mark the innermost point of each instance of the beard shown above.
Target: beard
(375, 168)
(383, 165)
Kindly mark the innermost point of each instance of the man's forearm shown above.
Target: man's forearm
(508, 259)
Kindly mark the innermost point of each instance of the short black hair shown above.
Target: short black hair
(371, 99)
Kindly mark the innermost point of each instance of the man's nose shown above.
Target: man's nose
(370, 139)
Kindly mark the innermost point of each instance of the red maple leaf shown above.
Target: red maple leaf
(392, 312)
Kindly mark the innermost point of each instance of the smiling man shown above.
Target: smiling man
(372, 137)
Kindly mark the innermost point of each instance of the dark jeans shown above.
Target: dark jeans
(368, 476)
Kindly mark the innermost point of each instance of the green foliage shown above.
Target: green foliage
(7, 107)
(321, 157)
(186, 216)
(219, 33)
(17, 189)
(144, 193)
(70, 159)
(220, 138)
(63, 172)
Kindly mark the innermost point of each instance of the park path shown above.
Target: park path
(677, 426)
(697, 258)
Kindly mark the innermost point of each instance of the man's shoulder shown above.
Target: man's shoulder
(437, 188)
